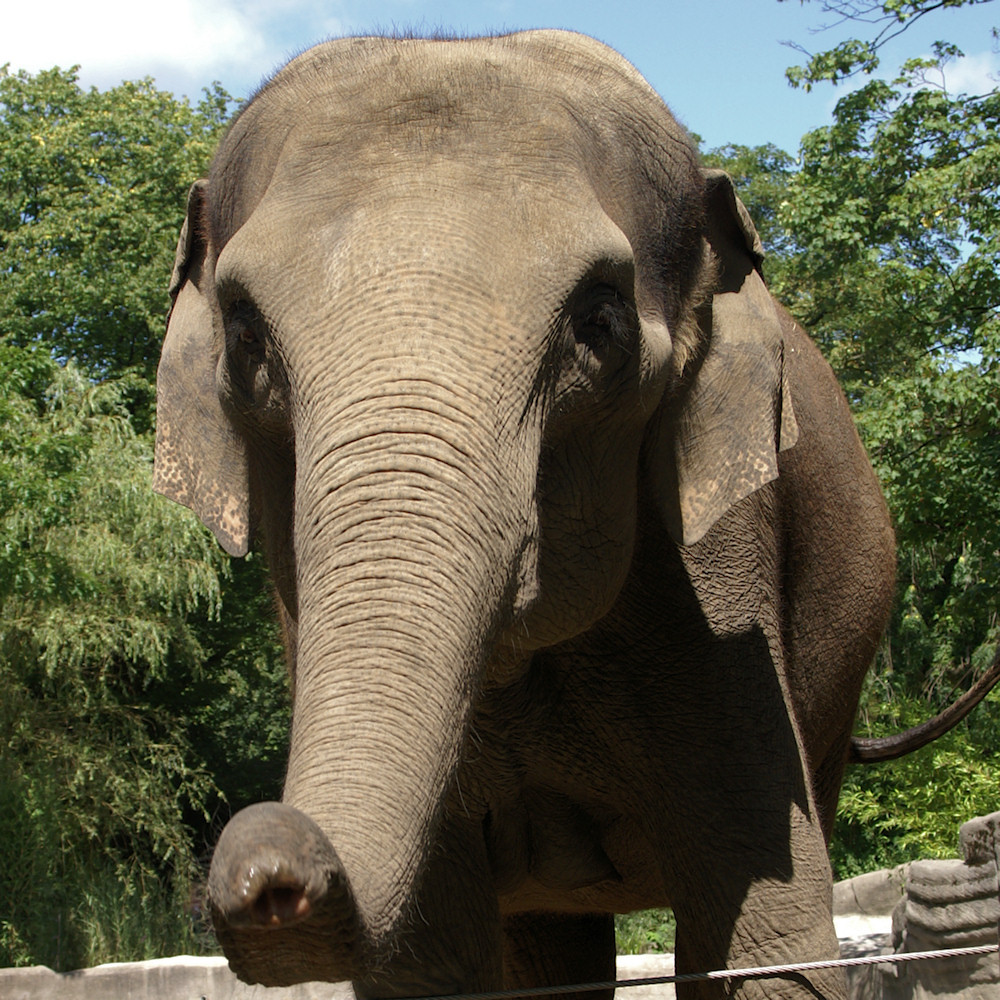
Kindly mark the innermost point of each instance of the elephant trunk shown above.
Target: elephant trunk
(412, 528)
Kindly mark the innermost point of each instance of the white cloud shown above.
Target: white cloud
(974, 74)
(124, 36)
(184, 44)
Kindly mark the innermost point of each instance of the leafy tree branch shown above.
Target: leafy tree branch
(888, 18)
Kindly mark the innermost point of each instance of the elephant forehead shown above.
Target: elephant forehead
(434, 225)
(403, 78)
(352, 112)
(454, 132)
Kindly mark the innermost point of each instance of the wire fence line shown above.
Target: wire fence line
(753, 972)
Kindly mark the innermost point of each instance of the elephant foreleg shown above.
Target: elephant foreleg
(555, 949)
(711, 936)
(756, 890)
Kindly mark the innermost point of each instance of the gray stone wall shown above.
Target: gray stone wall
(950, 904)
(186, 978)
(922, 906)
(181, 978)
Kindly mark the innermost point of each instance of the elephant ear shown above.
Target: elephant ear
(200, 460)
(717, 440)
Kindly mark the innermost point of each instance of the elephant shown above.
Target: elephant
(578, 555)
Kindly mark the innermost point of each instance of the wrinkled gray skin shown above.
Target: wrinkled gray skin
(580, 559)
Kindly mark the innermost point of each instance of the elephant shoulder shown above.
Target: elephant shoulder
(838, 552)
(827, 485)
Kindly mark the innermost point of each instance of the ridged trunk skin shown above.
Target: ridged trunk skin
(413, 526)
(389, 646)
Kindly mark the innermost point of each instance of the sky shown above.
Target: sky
(719, 64)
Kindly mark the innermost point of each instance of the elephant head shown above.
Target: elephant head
(442, 309)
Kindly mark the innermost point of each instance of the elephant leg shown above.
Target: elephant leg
(743, 850)
(556, 949)
(711, 937)
(453, 943)
(756, 891)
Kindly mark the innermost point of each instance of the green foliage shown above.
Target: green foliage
(238, 705)
(92, 185)
(912, 808)
(99, 581)
(894, 211)
(888, 18)
(835, 64)
(144, 686)
(645, 931)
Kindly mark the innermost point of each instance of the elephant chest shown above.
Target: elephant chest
(547, 852)
(567, 821)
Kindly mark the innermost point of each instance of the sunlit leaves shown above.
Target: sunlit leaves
(91, 186)
(881, 20)
(835, 64)
(101, 586)
(141, 682)
(893, 225)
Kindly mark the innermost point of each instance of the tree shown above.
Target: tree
(892, 231)
(98, 582)
(888, 18)
(92, 185)
(136, 695)
(142, 677)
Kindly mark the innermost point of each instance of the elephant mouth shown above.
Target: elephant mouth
(319, 948)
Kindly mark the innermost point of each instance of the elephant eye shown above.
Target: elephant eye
(245, 328)
(604, 322)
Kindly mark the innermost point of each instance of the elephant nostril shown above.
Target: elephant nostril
(280, 906)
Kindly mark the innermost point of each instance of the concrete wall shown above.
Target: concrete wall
(180, 978)
(187, 978)
(922, 906)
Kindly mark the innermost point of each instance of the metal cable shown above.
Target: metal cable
(754, 972)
